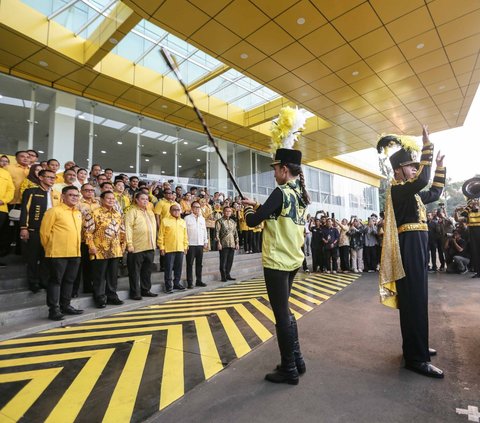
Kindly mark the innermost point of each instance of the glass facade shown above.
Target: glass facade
(156, 150)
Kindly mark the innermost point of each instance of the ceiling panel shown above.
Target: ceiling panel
(365, 66)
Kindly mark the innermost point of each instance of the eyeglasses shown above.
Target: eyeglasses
(88, 190)
(48, 177)
(72, 195)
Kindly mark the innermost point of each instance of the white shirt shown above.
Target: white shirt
(196, 230)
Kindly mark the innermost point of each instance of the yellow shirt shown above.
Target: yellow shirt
(60, 231)
(123, 201)
(162, 208)
(86, 207)
(106, 233)
(26, 184)
(59, 178)
(140, 229)
(7, 189)
(172, 236)
(18, 174)
(186, 206)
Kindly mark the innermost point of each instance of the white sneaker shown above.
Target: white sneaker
(334, 271)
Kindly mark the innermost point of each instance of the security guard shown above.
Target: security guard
(406, 245)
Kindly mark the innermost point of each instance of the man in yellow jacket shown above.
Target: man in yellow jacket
(140, 228)
(7, 191)
(173, 243)
(60, 234)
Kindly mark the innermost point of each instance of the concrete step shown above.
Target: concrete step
(21, 309)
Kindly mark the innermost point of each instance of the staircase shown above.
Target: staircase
(23, 312)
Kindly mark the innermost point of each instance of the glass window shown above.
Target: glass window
(265, 178)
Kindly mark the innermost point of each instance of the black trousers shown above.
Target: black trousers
(370, 257)
(331, 256)
(14, 232)
(140, 272)
(316, 258)
(344, 257)
(105, 278)
(434, 246)
(62, 274)
(194, 254)
(226, 261)
(4, 234)
(474, 244)
(248, 241)
(279, 284)
(413, 295)
(173, 263)
(37, 268)
(84, 272)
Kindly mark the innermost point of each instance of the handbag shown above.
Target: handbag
(14, 215)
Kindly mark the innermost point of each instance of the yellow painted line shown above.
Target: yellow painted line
(239, 344)
(211, 361)
(328, 283)
(122, 402)
(172, 385)
(334, 280)
(262, 308)
(307, 289)
(65, 345)
(306, 297)
(74, 398)
(26, 397)
(322, 286)
(300, 304)
(261, 331)
(241, 294)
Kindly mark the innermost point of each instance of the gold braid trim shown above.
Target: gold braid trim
(391, 268)
(438, 184)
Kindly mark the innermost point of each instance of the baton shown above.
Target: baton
(174, 67)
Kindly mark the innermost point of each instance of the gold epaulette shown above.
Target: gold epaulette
(408, 227)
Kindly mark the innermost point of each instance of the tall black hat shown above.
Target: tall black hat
(286, 155)
(405, 156)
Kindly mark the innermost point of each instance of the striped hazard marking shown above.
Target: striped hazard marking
(129, 365)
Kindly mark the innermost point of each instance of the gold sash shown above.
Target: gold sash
(391, 268)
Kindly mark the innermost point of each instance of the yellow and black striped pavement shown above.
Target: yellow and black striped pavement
(129, 365)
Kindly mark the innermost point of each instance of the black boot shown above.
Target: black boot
(287, 372)
(299, 361)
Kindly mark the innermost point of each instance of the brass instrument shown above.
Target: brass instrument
(471, 188)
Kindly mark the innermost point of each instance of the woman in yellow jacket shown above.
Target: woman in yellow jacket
(105, 238)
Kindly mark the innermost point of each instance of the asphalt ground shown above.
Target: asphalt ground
(352, 347)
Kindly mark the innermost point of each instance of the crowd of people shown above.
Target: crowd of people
(77, 228)
(124, 219)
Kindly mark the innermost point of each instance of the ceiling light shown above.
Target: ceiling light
(355, 73)
(198, 160)
(95, 135)
(103, 152)
(164, 152)
(41, 152)
(119, 142)
(244, 56)
(304, 94)
(131, 167)
(300, 21)
(147, 160)
(441, 87)
(225, 127)
(420, 46)
(179, 165)
(43, 63)
(81, 117)
(185, 142)
(113, 41)
(1, 96)
(163, 171)
(164, 106)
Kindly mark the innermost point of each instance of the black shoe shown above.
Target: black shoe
(281, 375)
(34, 287)
(229, 278)
(149, 294)
(476, 275)
(223, 280)
(72, 311)
(75, 295)
(2, 265)
(100, 305)
(190, 286)
(200, 284)
(114, 301)
(169, 291)
(179, 287)
(135, 297)
(432, 352)
(424, 368)
(55, 315)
